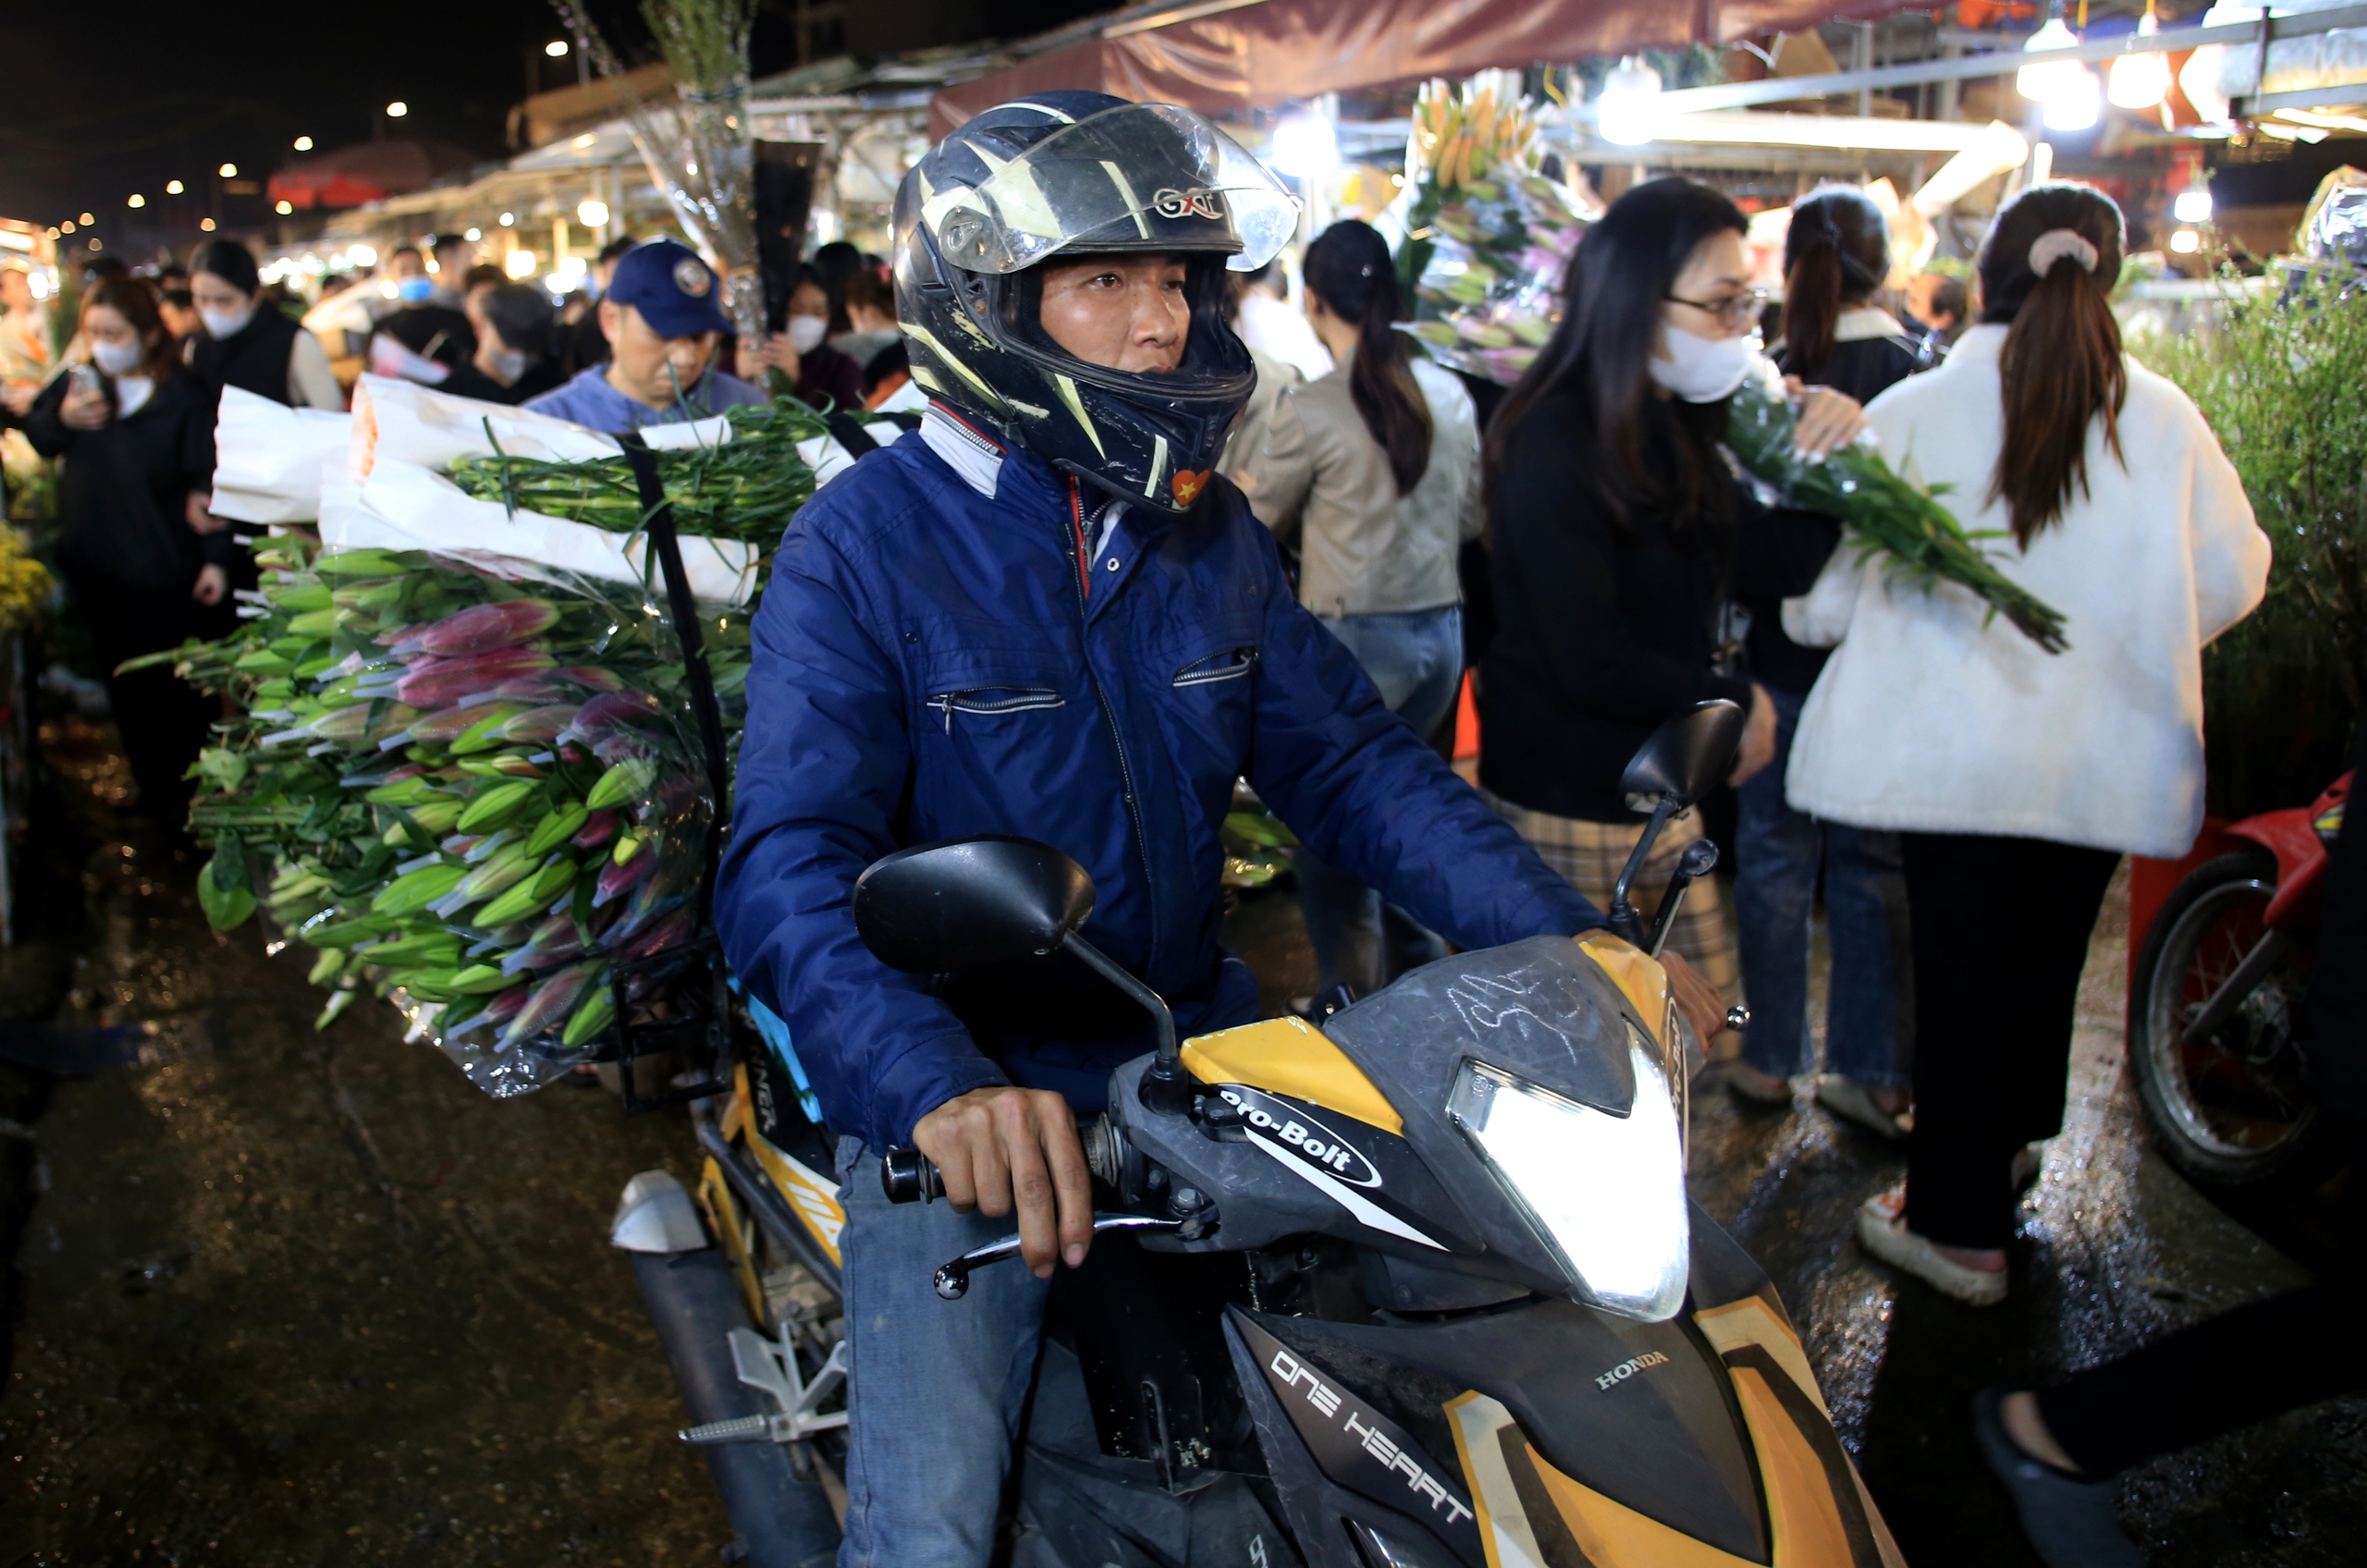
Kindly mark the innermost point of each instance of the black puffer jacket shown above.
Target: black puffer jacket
(1605, 628)
(123, 489)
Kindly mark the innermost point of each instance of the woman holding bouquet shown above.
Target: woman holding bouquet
(2015, 776)
(1619, 532)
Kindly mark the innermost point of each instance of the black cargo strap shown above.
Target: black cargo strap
(657, 522)
(850, 433)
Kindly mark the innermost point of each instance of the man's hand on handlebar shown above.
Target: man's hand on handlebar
(1000, 1148)
(1695, 997)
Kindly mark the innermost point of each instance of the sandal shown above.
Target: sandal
(1759, 1088)
(1881, 1231)
(1852, 1101)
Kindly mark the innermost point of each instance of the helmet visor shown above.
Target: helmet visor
(1144, 177)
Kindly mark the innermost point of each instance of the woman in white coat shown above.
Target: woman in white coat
(2019, 778)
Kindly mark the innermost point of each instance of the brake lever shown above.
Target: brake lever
(953, 1281)
(1700, 859)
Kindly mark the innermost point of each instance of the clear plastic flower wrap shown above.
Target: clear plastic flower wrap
(1488, 238)
(471, 792)
(1881, 512)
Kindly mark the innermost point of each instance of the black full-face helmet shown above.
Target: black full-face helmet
(1063, 175)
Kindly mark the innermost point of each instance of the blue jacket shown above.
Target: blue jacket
(931, 662)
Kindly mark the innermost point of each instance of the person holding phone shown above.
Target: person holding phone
(133, 432)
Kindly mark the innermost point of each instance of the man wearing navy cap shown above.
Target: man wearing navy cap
(663, 317)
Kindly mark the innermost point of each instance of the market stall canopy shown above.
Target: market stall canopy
(367, 171)
(1230, 56)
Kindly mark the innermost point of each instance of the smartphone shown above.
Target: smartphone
(85, 377)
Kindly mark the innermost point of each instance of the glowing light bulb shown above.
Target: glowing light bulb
(591, 214)
(2186, 241)
(1628, 112)
(2048, 80)
(2192, 206)
(173, 187)
(397, 109)
(303, 144)
(283, 208)
(137, 200)
(228, 171)
(556, 48)
(1306, 147)
(2139, 81)
(519, 265)
(2076, 105)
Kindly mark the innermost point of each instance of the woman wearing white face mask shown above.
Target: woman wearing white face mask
(1618, 533)
(134, 433)
(248, 345)
(819, 373)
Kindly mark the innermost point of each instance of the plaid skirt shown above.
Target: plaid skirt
(1588, 856)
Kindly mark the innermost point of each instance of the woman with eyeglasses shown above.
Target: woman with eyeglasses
(1836, 256)
(1620, 532)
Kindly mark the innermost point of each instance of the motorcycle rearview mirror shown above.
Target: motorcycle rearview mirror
(1682, 761)
(939, 909)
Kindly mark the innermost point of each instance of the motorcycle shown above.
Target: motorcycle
(1416, 1287)
(2214, 1004)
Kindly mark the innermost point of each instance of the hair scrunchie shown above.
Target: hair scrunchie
(2056, 244)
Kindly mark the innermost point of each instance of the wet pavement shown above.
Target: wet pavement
(288, 1297)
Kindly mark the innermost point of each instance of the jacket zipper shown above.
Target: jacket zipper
(1075, 549)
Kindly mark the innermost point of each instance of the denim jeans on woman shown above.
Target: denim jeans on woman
(1869, 1004)
(1416, 658)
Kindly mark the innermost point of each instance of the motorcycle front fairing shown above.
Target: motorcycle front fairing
(1462, 1122)
(1530, 1391)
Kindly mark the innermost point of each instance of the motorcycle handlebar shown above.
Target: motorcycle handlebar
(909, 1176)
(906, 1175)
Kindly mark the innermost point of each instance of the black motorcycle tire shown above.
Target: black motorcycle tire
(2201, 1128)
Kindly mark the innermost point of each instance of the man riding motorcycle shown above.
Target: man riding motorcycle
(1043, 615)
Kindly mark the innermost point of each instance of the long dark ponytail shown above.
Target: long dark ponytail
(1835, 254)
(1348, 268)
(1601, 350)
(2061, 366)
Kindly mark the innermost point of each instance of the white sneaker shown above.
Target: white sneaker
(1881, 1231)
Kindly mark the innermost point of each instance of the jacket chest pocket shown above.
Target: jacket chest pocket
(1212, 696)
(1233, 663)
(966, 688)
(990, 703)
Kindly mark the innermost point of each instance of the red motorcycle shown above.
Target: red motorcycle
(2215, 1002)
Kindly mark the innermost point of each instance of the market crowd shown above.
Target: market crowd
(1953, 798)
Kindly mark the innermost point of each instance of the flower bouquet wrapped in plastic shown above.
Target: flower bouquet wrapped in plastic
(1488, 236)
(1884, 513)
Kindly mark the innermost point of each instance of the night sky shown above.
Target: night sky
(99, 101)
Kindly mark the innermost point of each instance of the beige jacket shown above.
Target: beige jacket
(1319, 479)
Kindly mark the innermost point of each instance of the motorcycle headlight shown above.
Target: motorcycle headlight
(1605, 1193)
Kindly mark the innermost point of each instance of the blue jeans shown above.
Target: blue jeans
(935, 1387)
(1416, 658)
(1869, 1003)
